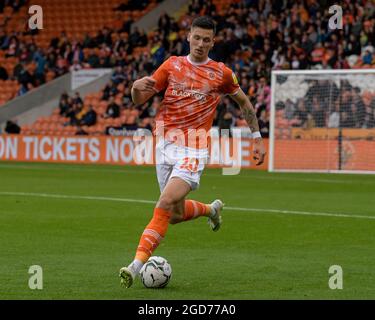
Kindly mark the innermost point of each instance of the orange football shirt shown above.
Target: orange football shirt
(192, 93)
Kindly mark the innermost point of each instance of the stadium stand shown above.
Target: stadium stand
(74, 33)
(253, 38)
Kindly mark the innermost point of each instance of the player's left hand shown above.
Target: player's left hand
(259, 151)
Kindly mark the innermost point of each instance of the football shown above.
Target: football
(156, 272)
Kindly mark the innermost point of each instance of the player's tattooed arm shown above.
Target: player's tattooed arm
(259, 150)
(250, 116)
(247, 110)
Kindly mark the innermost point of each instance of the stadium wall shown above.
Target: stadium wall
(113, 150)
(41, 101)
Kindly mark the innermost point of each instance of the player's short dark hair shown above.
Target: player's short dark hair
(204, 22)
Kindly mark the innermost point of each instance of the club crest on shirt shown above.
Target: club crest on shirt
(211, 75)
(235, 81)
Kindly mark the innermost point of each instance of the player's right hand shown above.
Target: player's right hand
(145, 84)
(259, 151)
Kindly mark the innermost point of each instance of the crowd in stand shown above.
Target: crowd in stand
(327, 105)
(77, 113)
(253, 38)
(14, 4)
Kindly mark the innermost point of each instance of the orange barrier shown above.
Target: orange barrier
(289, 154)
(331, 133)
(323, 155)
(107, 150)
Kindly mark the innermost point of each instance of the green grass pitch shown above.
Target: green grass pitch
(280, 234)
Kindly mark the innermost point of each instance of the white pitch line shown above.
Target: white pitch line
(128, 170)
(304, 213)
(96, 198)
(74, 197)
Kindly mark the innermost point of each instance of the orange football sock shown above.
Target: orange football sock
(153, 234)
(195, 209)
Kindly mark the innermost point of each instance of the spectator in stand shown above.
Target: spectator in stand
(110, 90)
(118, 75)
(310, 122)
(78, 54)
(164, 22)
(347, 120)
(24, 54)
(75, 114)
(113, 109)
(77, 98)
(89, 117)
(148, 111)
(12, 127)
(367, 57)
(142, 39)
(225, 115)
(65, 104)
(82, 110)
(369, 121)
(93, 59)
(13, 48)
(155, 105)
(334, 117)
(126, 98)
(126, 27)
(132, 5)
(318, 113)
(24, 77)
(61, 66)
(132, 117)
(4, 38)
(158, 54)
(40, 60)
(76, 66)
(301, 113)
(16, 4)
(290, 109)
(22, 90)
(134, 37)
(263, 94)
(3, 73)
(264, 125)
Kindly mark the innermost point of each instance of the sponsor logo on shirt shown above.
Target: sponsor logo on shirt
(189, 93)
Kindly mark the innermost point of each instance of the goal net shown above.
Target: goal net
(323, 121)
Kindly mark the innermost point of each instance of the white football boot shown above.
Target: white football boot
(127, 277)
(215, 219)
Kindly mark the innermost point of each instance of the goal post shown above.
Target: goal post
(322, 121)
